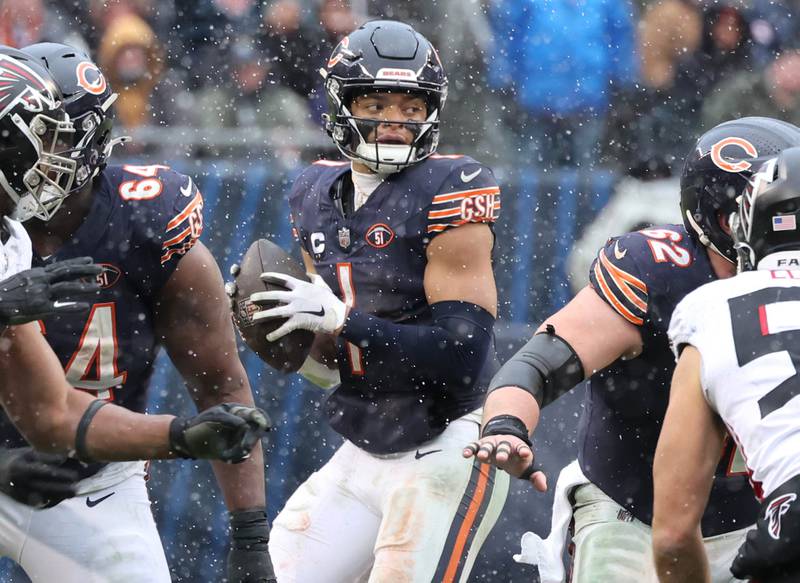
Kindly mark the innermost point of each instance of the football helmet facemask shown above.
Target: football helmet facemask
(768, 216)
(88, 99)
(37, 170)
(383, 55)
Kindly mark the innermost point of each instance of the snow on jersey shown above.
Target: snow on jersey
(747, 330)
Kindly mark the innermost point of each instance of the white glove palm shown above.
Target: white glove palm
(307, 306)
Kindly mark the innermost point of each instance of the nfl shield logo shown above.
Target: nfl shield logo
(344, 237)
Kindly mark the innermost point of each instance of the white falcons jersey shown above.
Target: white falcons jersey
(15, 252)
(747, 330)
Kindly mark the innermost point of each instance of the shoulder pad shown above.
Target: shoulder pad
(631, 268)
(468, 193)
(616, 278)
(313, 176)
(166, 208)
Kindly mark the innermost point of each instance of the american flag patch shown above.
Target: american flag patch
(784, 223)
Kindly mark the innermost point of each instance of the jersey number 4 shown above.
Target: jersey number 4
(93, 366)
(764, 323)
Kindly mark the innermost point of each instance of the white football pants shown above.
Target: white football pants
(412, 517)
(105, 536)
(612, 545)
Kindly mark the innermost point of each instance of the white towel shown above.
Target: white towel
(547, 554)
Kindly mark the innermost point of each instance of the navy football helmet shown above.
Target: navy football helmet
(718, 169)
(383, 55)
(87, 100)
(36, 137)
(768, 218)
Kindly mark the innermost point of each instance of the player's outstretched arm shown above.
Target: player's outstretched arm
(683, 471)
(584, 336)
(193, 320)
(56, 418)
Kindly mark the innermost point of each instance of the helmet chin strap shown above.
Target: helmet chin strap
(704, 238)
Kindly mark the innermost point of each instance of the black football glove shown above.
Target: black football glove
(34, 478)
(44, 291)
(248, 559)
(226, 432)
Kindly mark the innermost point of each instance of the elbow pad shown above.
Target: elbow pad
(546, 367)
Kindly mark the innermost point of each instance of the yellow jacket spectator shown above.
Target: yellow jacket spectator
(131, 57)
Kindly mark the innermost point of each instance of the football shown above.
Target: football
(288, 353)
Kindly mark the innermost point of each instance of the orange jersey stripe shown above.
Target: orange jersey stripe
(440, 198)
(177, 238)
(197, 200)
(453, 212)
(469, 521)
(624, 275)
(178, 250)
(618, 278)
(439, 227)
(621, 310)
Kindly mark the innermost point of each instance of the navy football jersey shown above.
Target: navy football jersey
(141, 222)
(643, 276)
(375, 260)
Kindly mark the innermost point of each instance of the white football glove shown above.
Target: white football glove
(308, 306)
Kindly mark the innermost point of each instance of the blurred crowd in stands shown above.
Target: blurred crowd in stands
(626, 84)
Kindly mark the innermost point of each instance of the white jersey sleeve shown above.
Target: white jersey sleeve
(689, 326)
(16, 253)
(682, 326)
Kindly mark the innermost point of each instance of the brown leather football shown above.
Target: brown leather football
(286, 354)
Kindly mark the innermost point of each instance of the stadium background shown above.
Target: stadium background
(582, 108)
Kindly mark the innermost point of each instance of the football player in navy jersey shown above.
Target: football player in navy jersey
(614, 333)
(160, 285)
(33, 390)
(405, 239)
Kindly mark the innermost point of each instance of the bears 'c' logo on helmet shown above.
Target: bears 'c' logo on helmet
(19, 83)
(90, 78)
(732, 163)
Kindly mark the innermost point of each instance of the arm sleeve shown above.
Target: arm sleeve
(615, 276)
(469, 194)
(167, 227)
(454, 345)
